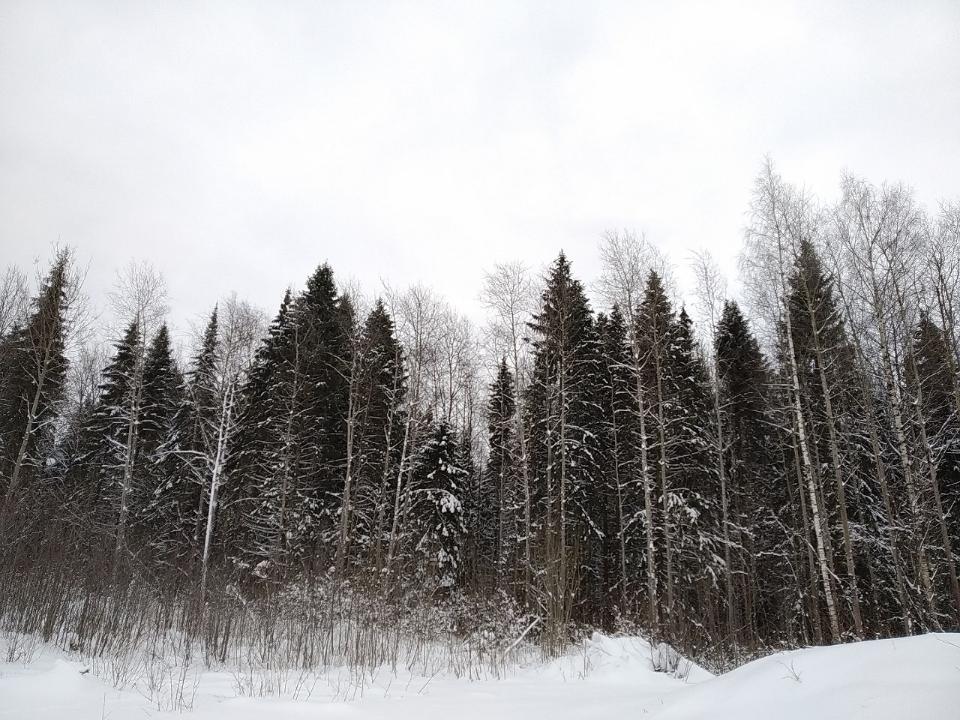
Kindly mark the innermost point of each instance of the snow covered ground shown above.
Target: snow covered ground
(917, 677)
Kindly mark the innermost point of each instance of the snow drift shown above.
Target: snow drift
(895, 679)
(604, 677)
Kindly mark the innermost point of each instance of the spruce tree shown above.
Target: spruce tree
(260, 500)
(760, 502)
(380, 433)
(655, 324)
(938, 385)
(323, 330)
(497, 520)
(562, 411)
(439, 507)
(97, 478)
(165, 499)
(200, 419)
(827, 377)
(934, 389)
(695, 483)
(623, 547)
(32, 374)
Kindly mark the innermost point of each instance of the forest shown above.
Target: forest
(727, 473)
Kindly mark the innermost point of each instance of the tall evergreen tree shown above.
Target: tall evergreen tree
(380, 431)
(827, 377)
(323, 329)
(165, 500)
(199, 415)
(624, 547)
(98, 476)
(757, 489)
(439, 507)
(260, 500)
(32, 373)
(562, 407)
(695, 484)
(938, 385)
(497, 520)
(655, 325)
(933, 385)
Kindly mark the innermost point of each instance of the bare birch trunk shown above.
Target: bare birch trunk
(837, 476)
(652, 607)
(223, 431)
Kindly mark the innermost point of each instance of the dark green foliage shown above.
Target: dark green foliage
(381, 389)
(165, 499)
(32, 375)
(563, 412)
(438, 507)
(760, 502)
(498, 500)
(935, 385)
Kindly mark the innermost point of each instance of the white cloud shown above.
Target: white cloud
(238, 145)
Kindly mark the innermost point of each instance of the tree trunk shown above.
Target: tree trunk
(837, 477)
(818, 526)
(223, 432)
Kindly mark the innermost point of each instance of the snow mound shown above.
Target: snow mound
(602, 678)
(626, 660)
(895, 679)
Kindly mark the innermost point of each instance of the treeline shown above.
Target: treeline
(788, 476)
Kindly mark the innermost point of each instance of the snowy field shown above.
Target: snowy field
(917, 677)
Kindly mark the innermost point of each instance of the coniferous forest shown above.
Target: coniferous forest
(725, 472)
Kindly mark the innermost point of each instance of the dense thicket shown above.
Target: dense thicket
(785, 470)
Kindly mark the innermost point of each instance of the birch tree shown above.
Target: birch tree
(508, 294)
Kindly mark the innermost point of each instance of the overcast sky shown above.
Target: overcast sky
(237, 145)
